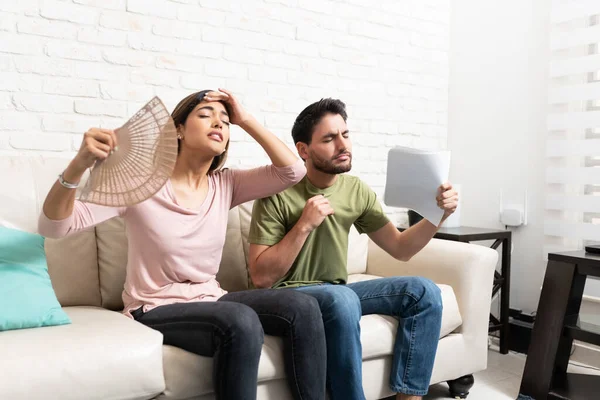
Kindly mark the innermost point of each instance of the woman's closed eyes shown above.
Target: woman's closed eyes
(226, 122)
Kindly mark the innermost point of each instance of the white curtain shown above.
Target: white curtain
(573, 146)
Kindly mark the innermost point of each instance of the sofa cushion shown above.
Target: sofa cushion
(112, 262)
(73, 269)
(245, 213)
(451, 318)
(29, 179)
(358, 245)
(188, 375)
(233, 275)
(101, 355)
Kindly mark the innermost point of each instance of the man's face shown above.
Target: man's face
(330, 150)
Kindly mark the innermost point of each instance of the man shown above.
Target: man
(299, 239)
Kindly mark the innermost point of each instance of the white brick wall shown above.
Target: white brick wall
(66, 65)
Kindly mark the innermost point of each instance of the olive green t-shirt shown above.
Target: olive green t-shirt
(323, 257)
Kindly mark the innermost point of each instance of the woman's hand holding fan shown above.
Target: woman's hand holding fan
(97, 144)
(133, 162)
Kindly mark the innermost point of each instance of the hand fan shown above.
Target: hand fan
(142, 162)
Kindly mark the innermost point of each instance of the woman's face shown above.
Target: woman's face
(206, 128)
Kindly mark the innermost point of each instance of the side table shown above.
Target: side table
(557, 324)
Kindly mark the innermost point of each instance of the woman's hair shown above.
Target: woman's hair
(180, 115)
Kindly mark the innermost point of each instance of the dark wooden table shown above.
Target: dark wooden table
(467, 234)
(557, 324)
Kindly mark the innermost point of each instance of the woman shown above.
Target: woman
(175, 243)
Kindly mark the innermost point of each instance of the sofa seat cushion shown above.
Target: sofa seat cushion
(451, 318)
(188, 375)
(101, 355)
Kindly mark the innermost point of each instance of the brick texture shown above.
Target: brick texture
(66, 65)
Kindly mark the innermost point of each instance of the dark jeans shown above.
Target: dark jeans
(231, 331)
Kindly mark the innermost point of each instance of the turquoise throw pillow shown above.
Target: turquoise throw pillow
(27, 299)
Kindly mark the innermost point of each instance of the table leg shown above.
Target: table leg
(505, 296)
(559, 293)
(565, 344)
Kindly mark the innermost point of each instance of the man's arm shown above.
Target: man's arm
(404, 245)
(268, 264)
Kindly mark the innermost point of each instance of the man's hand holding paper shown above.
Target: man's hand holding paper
(447, 199)
(418, 180)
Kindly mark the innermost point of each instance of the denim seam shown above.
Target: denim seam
(415, 298)
(409, 357)
(293, 349)
(378, 296)
(409, 392)
(176, 323)
(272, 314)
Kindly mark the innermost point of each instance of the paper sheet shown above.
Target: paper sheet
(413, 177)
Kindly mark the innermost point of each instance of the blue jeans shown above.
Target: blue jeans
(415, 301)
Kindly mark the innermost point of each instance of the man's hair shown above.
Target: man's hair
(310, 117)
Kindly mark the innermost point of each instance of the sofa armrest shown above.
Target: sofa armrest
(468, 268)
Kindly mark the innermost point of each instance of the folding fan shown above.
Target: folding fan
(142, 162)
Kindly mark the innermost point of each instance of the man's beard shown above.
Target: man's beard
(328, 166)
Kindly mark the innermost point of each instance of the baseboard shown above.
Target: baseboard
(585, 353)
(591, 299)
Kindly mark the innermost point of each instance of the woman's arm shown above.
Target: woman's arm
(256, 183)
(97, 145)
(84, 215)
(57, 217)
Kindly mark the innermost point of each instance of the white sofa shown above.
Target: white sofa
(105, 355)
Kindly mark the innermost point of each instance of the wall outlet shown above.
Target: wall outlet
(514, 214)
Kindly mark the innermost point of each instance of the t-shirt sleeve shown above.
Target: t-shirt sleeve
(372, 217)
(268, 223)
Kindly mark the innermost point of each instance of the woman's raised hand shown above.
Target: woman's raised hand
(97, 144)
(238, 114)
